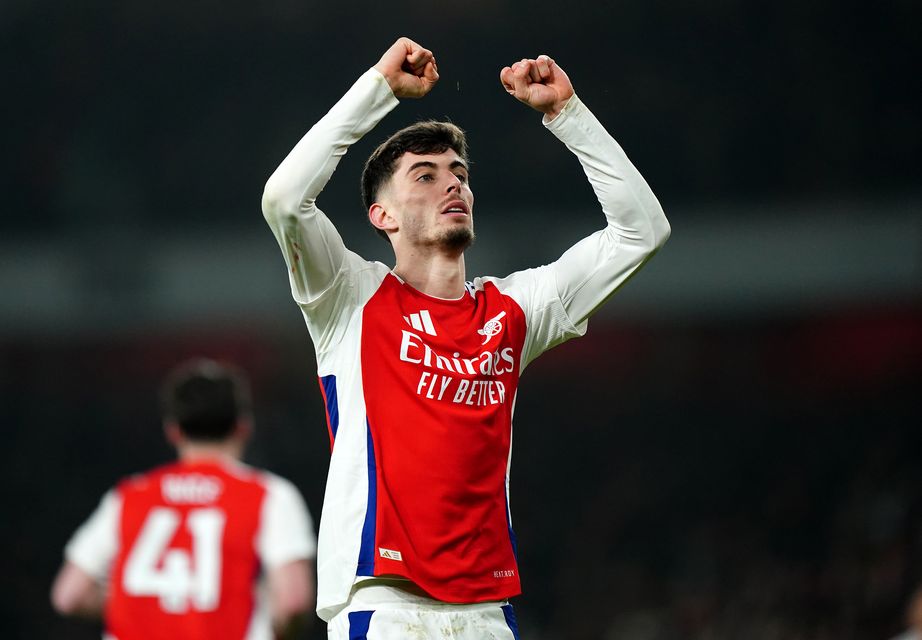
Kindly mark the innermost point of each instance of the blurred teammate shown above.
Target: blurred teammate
(178, 552)
(418, 365)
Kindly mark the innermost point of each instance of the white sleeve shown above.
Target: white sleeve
(286, 530)
(593, 269)
(313, 250)
(559, 298)
(95, 543)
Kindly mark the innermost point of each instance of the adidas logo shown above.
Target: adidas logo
(421, 321)
(390, 554)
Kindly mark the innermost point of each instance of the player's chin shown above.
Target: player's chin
(459, 237)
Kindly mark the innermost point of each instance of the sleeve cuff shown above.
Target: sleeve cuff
(383, 89)
(571, 107)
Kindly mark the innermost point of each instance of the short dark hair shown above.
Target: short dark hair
(206, 399)
(428, 136)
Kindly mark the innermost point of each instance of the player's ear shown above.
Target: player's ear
(173, 434)
(244, 428)
(380, 218)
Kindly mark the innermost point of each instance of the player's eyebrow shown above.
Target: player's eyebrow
(421, 163)
(431, 165)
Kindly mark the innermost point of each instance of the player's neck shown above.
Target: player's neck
(437, 275)
(205, 451)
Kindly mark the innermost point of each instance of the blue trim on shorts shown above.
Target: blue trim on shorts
(358, 624)
(509, 614)
(366, 565)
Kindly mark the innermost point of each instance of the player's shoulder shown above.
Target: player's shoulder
(228, 469)
(480, 284)
(283, 494)
(515, 282)
(529, 273)
(270, 481)
(362, 267)
(239, 474)
(277, 484)
(357, 276)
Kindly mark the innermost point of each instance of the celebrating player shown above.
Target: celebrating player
(419, 365)
(177, 552)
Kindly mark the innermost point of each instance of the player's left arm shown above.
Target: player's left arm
(592, 270)
(286, 545)
(291, 596)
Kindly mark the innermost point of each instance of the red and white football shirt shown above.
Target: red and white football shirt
(182, 548)
(420, 391)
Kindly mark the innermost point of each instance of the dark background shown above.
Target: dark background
(733, 450)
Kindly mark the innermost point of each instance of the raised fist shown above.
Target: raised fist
(409, 69)
(539, 83)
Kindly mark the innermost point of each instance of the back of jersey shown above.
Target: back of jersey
(187, 564)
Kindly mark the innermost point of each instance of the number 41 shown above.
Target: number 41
(180, 581)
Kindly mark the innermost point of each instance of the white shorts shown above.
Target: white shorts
(387, 613)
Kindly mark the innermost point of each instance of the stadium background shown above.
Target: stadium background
(733, 451)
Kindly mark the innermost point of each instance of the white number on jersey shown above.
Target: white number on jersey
(180, 581)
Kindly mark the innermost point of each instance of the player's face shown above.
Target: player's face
(432, 200)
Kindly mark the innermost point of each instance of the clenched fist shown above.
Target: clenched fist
(409, 69)
(539, 83)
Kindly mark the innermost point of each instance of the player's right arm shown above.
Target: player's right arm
(313, 249)
(79, 587)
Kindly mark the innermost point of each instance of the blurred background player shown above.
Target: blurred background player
(204, 547)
